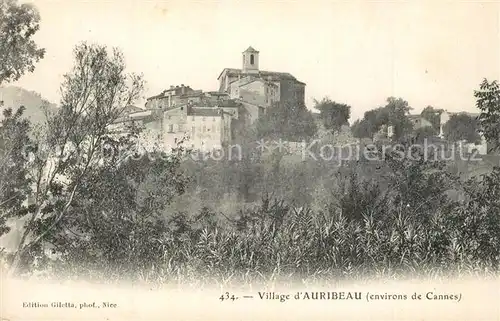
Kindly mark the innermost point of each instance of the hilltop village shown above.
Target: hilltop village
(207, 120)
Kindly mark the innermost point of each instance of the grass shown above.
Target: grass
(281, 245)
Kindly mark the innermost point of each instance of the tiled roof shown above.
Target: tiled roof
(228, 103)
(131, 109)
(249, 80)
(216, 103)
(217, 93)
(204, 112)
(155, 96)
(193, 94)
(466, 113)
(273, 75)
(177, 92)
(250, 49)
(277, 75)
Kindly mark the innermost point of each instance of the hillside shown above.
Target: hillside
(15, 97)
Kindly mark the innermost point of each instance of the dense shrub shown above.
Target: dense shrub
(363, 231)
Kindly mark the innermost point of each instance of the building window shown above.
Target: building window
(192, 118)
(251, 59)
(193, 130)
(175, 140)
(203, 118)
(171, 128)
(204, 128)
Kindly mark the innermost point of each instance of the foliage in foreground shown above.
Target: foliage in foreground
(284, 243)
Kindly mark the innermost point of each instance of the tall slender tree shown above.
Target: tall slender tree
(94, 94)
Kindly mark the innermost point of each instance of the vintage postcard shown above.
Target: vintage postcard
(249, 160)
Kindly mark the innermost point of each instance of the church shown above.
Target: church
(260, 87)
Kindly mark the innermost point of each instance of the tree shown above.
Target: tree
(394, 113)
(488, 101)
(398, 110)
(245, 169)
(362, 129)
(333, 114)
(287, 121)
(18, 54)
(433, 115)
(94, 94)
(422, 133)
(462, 127)
(377, 118)
(120, 206)
(14, 183)
(18, 51)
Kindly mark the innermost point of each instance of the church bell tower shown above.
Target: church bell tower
(250, 61)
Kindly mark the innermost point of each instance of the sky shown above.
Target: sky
(355, 52)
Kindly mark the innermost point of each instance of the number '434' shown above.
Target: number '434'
(227, 296)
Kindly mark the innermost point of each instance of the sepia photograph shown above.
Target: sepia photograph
(249, 160)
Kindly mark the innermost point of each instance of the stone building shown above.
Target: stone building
(199, 127)
(196, 126)
(260, 89)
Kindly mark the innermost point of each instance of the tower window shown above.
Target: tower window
(251, 59)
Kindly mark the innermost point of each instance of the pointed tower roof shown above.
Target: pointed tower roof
(250, 49)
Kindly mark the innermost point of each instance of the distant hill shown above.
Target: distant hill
(15, 97)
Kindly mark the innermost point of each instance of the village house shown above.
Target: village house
(194, 126)
(199, 126)
(419, 122)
